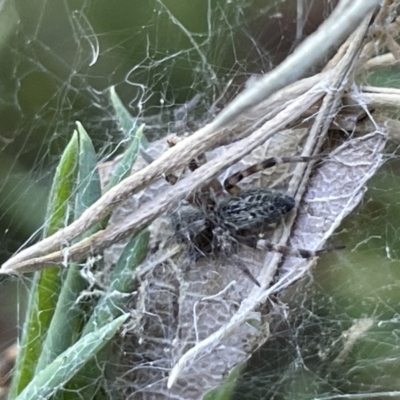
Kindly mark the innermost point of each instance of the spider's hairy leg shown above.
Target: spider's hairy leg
(225, 243)
(231, 182)
(188, 223)
(181, 114)
(243, 267)
(299, 253)
(172, 140)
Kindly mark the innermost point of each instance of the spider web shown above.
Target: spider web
(338, 333)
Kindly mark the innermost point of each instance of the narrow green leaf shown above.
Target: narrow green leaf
(89, 188)
(61, 190)
(46, 284)
(124, 167)
(125, 121)
(55, 375)
(225, 390)
(110, 306)
(121, 282)
(68, 317)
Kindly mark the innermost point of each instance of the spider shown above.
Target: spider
(214, 224)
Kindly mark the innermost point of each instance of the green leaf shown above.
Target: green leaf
(121, 282)
(68, 317)
(110, 306)
(46, 284)
(225, 390)
(55, 375)
(125, 121)
(88, 188)
(124, 167)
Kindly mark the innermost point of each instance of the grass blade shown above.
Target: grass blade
(125, 121)
(121, 282)
(68, 317)
(124, 167)
(110, 306)
(46, 284)
(54, 376)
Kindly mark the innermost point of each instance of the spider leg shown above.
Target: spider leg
(287, 251)
(243, 267)
(181, 114)
(172, 140)
(231, 182)
(299, 253)
(225, 243)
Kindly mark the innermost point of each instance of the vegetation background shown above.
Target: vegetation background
(152, 51)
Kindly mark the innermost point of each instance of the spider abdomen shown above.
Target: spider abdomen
(254, 208)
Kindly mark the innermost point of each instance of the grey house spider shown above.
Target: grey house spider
(216, 225)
